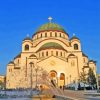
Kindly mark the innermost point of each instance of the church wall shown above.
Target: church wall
(17, 62)
(53, 63)
(73, 69)
(80, 61)
(60, 66)
(10, 76)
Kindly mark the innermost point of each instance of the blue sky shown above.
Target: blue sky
(21, 17)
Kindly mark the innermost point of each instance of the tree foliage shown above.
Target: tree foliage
(83, 76)
(91, 79)
(1, 85)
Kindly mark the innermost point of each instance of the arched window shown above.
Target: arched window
(60, 34)
(42, 54)
(75, 46)
(53, 74)
(55, 34)
(56, 53)
(41, 35)
(47, 53)
(45, 34)
(64, 35)
(51, 52)
(60, 53)
(62, 76)
(50, 34)
(26, 47)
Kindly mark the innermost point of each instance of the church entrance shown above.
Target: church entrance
(53, 77)
(61, 80)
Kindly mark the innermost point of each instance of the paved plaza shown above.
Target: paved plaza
(68, 94)
(79, 95)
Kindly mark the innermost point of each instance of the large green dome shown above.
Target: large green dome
(50, 26)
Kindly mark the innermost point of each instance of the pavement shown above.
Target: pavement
(71, 94)
(80, 95)
(74, 95)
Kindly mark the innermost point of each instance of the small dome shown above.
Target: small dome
(50, 26)
(27, 38)
(74, 37)
(92, 61)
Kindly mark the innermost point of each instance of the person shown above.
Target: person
(63, 87)
(41, 88)
(60, 87)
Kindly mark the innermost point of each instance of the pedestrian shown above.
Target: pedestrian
(63, 87)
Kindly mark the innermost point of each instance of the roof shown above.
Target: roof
(27, 38)
(51, 45)
(18, 56)
(74, 37)
(84, 55)
(92, 61)
(11, 62)
(50, 26)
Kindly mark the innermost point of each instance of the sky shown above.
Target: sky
(21, 17)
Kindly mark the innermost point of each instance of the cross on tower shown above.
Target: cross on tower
(50, 19)
(73, 34)
(27, 35)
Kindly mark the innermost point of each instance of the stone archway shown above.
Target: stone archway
(62, 79)
(53, 77)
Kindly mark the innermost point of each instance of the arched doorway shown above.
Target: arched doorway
(62, 79)
(53, 77)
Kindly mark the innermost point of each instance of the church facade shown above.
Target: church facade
(50, 49)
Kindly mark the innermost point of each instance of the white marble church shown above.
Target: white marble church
(50, 49)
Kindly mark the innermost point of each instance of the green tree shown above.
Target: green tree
(83, 78)
(1, 85)
(91, 79)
